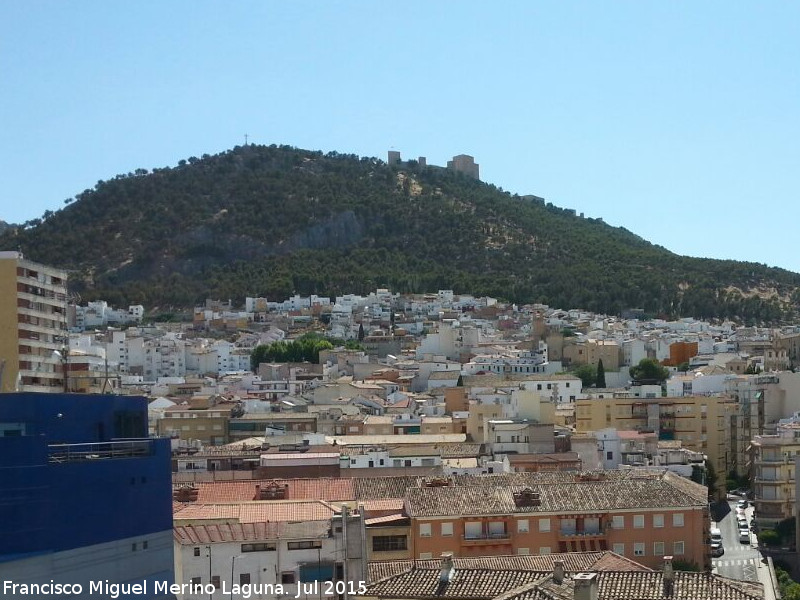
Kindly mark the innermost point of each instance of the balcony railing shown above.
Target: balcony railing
(581, 535)
(63, 453)
(485, 536)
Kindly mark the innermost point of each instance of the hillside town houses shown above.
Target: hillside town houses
(450, 429)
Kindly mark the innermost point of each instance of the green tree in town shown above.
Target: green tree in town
(600, 380)
(649, 369)
(711, 481)
(587, 375)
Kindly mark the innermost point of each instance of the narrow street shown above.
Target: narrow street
(740, 561)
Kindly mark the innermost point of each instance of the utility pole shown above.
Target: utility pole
(344, 542)
(233, 562)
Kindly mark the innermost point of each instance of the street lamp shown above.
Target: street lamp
(233, 562)
(208, 547)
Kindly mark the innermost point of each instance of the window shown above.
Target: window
(287, 577)
(215, 581)
(304, 545)
(658, 548)
(473, 530)
(389, 543)
(638, 521)
(619, 549)
(259, 547)
(523, 551)
(197, 551)
(618, 522)
(638, 549)
(133, 547)
(544, 525)
(497, 529)
(425, 555)
(144, 545)
(447, 529)
(677, 549)
(677, 519)
(522, 526)
(425, 530)
(610, 455)
(658, 520)
(244, 578)
(544, 550)
(196, 581)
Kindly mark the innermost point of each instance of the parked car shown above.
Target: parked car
(717, 549)
(744, 536)
(742, 504)
(716, 535)
(742, 521)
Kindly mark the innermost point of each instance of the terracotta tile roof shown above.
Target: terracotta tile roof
(573, 562)
(494, 495)
(395, 518)
(379, 488)
(384, 504)
(254, 512)
(329, 489)
(422, 580)
(239, 532)
(465, 450)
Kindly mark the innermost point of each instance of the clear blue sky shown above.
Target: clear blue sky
(678, 120)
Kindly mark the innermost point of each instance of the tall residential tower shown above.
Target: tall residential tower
(33, 325)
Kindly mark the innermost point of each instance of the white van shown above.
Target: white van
(716, 535)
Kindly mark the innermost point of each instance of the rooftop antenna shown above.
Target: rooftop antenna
(245, 139)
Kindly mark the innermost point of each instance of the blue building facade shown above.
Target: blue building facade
(84, 494)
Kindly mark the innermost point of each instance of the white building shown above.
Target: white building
(267, 554)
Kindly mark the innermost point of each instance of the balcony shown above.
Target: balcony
(486, 538)
(771, 460)
(63, 453)
(757, 501)
(590, 534)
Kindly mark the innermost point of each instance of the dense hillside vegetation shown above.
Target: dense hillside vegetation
(270, 221)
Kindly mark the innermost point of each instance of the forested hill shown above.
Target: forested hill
(270, 221)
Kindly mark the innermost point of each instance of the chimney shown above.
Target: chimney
(586, 587)
(668, 577)
(558, 571)
(448, 570)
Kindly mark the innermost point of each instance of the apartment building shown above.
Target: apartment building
(267, 545)
(33, 326)
(257, 423)
(641, 515)
(209, 425)
(774, 474)
(704, 424)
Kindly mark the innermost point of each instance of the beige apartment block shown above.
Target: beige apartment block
(705, 424)
(774, 474)
(209, 425)
(33, 325)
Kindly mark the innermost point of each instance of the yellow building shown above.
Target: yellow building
(209, 425)
(705, 424)
(774, 474)
(33, 325)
